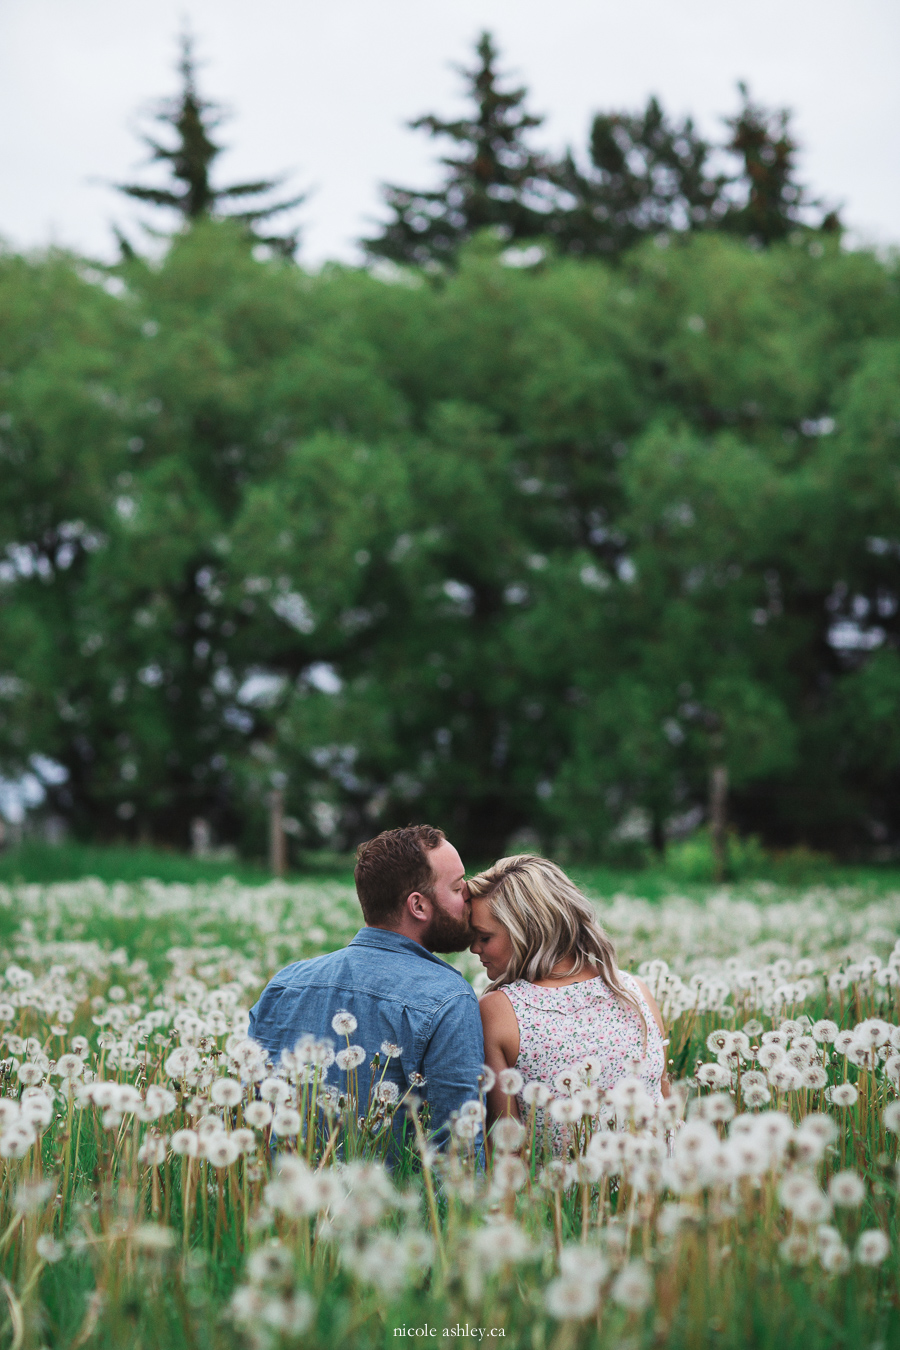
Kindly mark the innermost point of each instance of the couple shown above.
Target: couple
(556, 996)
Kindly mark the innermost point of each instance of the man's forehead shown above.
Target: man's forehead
(445, 859)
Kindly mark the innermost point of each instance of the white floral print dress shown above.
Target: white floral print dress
(560, 1028)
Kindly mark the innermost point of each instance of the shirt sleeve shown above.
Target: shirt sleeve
(453, 1060)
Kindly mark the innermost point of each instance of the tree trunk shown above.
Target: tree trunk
(277, 837)
(718, 820)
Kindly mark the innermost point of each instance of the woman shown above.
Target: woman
(557, 997)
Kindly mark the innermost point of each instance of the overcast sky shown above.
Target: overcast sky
(323, 87)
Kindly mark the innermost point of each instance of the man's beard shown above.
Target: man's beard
(446, 934)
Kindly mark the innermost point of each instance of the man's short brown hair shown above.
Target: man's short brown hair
(393, 865)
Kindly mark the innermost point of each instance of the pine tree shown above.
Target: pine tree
(495, 179)
(648, 175)
(775, 204)
(194, 119)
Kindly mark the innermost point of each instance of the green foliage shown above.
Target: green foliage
(529, 551)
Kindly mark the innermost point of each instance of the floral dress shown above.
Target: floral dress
(561, 1028)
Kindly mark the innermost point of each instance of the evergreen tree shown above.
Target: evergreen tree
(775, 203)
(648, 175)
(495, 179)
(193, 196)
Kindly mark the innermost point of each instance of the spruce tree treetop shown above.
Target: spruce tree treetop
(190, 159)
(648, 175)
(776, 204)
(495, 180)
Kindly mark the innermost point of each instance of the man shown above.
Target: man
(412, 890)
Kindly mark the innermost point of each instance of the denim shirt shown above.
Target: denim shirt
(397, 991)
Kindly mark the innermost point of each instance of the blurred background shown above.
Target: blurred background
(473, 413)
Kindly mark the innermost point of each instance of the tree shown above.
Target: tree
(190, 159)
(648, 175)
(775, 204)
(495, 180)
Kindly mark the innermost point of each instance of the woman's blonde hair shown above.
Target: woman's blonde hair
(548, 920)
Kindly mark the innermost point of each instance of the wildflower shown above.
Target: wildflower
(226, 1092)
(286, 1122)
(797, 1249)
(566, 1080)
(717, 1107)
(753, 1027)
(872, 1033)
(221, 1149)
(632, 1287)
(501, 1244)
(844, 1041)
(37, 1110)
(153, 1237)
(388, 1093)
(555, 1175)
(719, 1041)
(844, 1094)
(258, 1114)
(49, 1250)
(713, 1075)
(509, 1174)
(756, 1096)
(847, 1189)
(486, 1078)
(32, 1196)
(785, 1078)
(275, 1090)
(185, 1143)
(182, 1062)
(158, 1101)
(271, 1264)
(891, 1117)
(536, 1094)
(507, 1135)
(152, 1152)
(467, 1128)
(814, 1077)
(390, 1050)
(29, 1074)
(872, 1247)
(812, 1206)
(69, 1066)
(16, 1140)
(510, 1081)
(245, 1140)
(834, 1257)
(892, 1068)
(344, 1023)
(291, 1314)
(569, 1297)
(247, 1305)
(769, 1055)
(351, 1058)
(824, 1031)
(565, 1110)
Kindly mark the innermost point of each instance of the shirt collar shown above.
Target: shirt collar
(393, 942)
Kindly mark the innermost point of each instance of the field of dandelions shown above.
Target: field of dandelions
(162, 1185)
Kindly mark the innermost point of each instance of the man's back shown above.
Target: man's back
(400, 994)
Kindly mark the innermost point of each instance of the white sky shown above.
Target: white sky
(323, 88)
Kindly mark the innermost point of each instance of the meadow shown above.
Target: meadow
(161, 1185)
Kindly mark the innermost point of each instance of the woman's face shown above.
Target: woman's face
(492, 944)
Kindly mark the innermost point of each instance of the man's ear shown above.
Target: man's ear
(419, 906)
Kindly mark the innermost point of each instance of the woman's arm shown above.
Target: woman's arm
(501, 1049)
(665, 1085)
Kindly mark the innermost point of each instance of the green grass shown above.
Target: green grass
(687, 870)
(39, 862)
